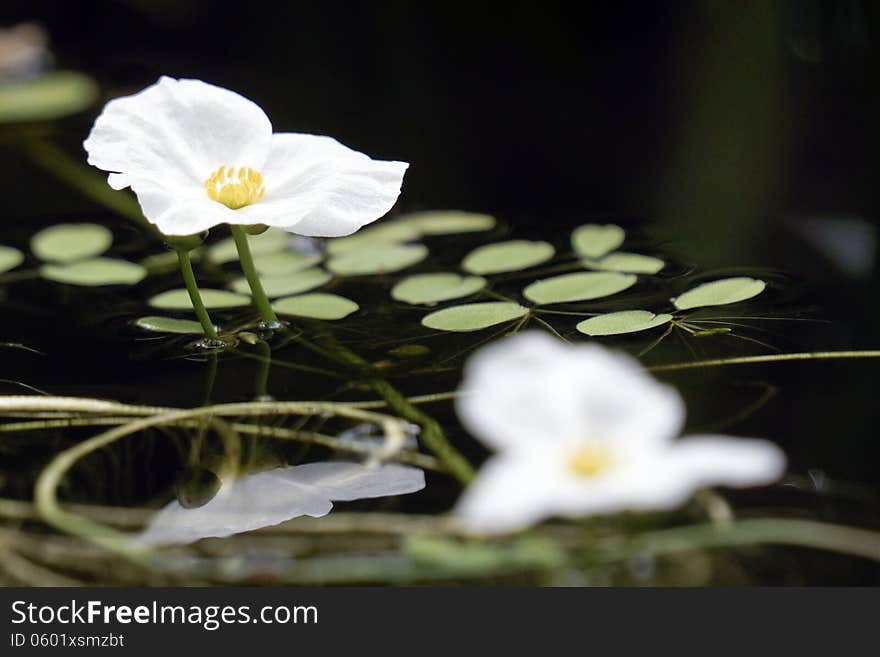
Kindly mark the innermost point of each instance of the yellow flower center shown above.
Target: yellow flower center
(235, 189)
(590, 461)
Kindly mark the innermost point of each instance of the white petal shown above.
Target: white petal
(249, 503)
(177, 210)
(343, 481)
(725, 461)
(174, 134)
(317, 187)
(510, 492)
(532, 389)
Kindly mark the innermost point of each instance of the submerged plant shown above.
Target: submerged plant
(198, 156)
(581, 430)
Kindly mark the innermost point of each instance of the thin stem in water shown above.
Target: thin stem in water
(189, 279)
(250, 273)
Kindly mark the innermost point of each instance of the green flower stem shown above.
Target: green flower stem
(189, 279)
(767, 358)
(250, 273)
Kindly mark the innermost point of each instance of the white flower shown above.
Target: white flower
(197, 155)
(273, 496)
(582, 430)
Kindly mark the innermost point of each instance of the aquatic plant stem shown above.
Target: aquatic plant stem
(768, 358)
(189, 279)
(432, 434)
(250, 273)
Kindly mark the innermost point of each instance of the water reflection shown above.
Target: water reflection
(270, 497)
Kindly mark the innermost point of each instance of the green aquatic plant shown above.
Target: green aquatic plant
(232, 170)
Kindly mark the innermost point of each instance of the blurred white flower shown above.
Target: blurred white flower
(197, 155)
(273, 496)
(583, 430)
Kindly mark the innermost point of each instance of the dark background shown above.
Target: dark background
(713, 121)
(718, 127)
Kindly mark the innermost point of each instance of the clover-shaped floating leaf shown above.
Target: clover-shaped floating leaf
(10, 258)
(47, 97)
(272, 240)
(379, 259)
(168, 325)
(95, 271)
(474, 316)
(721, 292)
(433, 288)
(282, 285)
(595, 240)
(580, 286)
(218, 299)
(625, 321)
(285, 262)
(448, 222)
(384, 234)
(316, 306)
(507, 256)
(70, 242)
(629, 263)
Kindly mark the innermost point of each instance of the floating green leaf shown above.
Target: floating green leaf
(316, 306)
(595, 240)
(507, 256)
(432, 288)
(380, 259)
(630, 263)
(410, 351)
(376, 236)
(70, 242)
(285, 262)
(272, 240)
(10, 258)
(179, 299)
(448, 222)
(95, 271)
(168, 325)
(721, 292)
(50, 96)
(474, 316)
(625, 321)
(580, 286)
(279, 286)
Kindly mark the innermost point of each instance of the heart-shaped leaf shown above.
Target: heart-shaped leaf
(380, 259)
(433, 288)
(512, 255)
(316, 306)
(625, 321)
(376, 236)
(474, 316)
(579, 286)
(10, 258)
(168, 325)
(218, 299)
(595, 240)
(47, 97)
(721, 292)
(284, 284)
(95, 271)
(70, 242)
(448, 222)
(285, 262)
(629, 263)
(272, 240)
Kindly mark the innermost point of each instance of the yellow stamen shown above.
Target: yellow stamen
(235, 191)
(590, 461)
